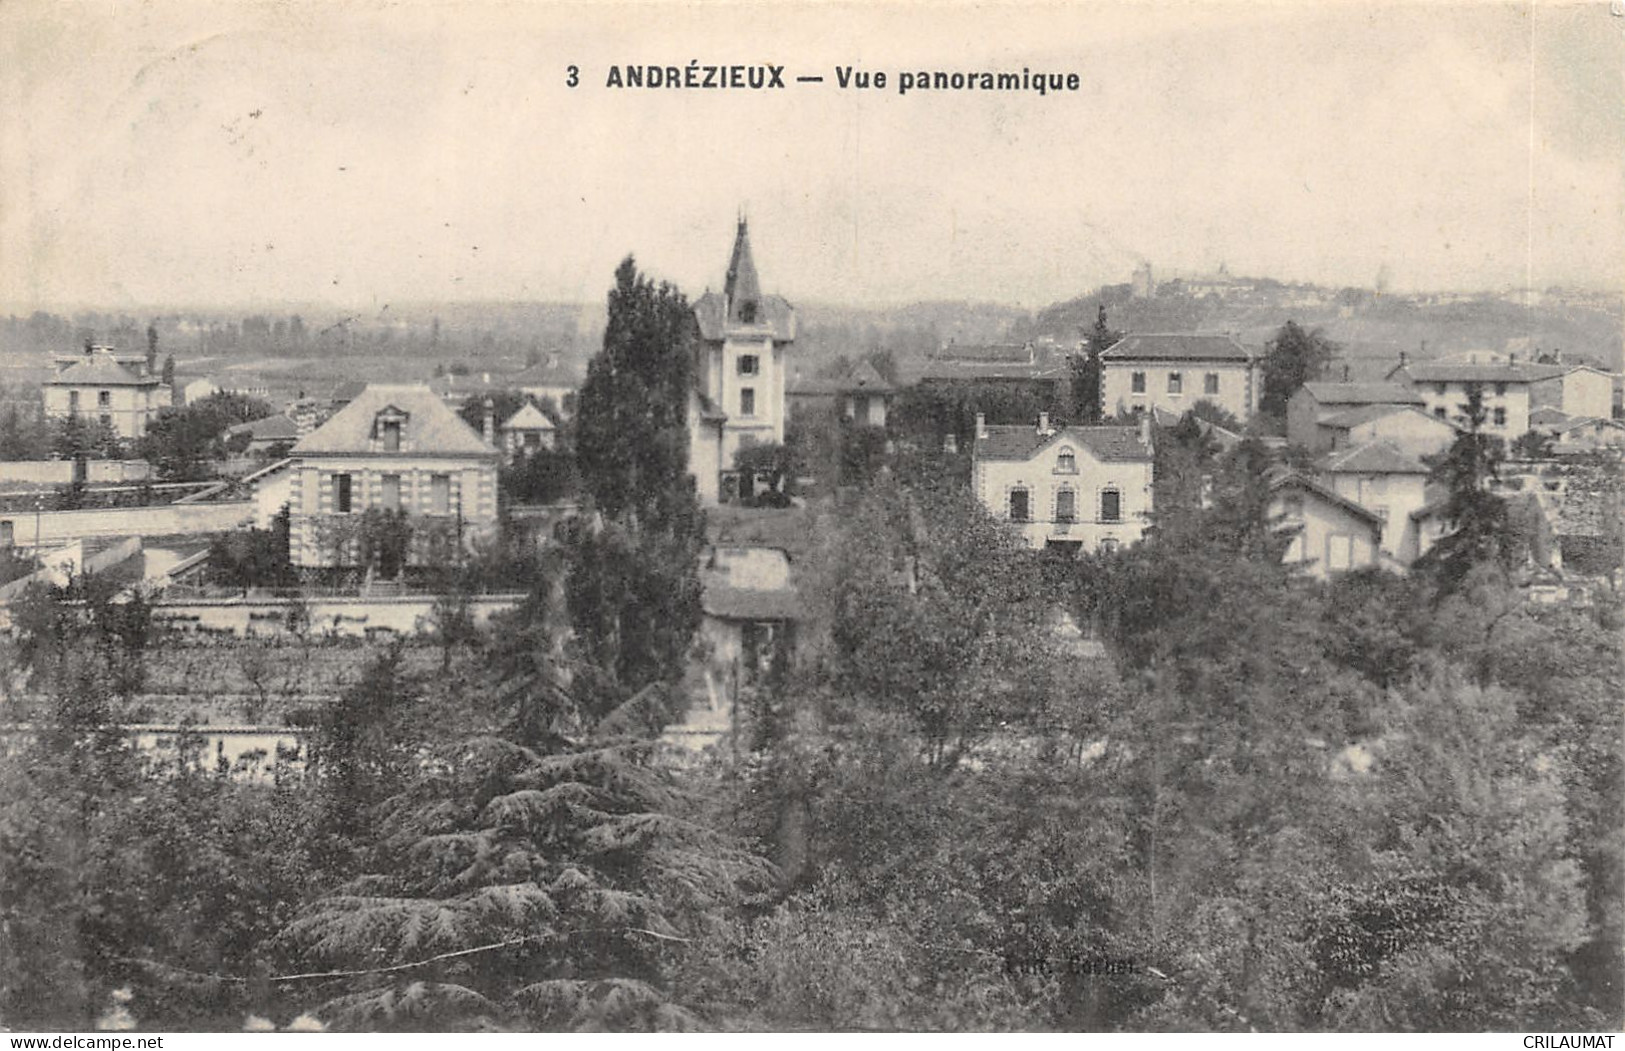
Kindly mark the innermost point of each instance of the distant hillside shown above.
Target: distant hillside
(1373, 329)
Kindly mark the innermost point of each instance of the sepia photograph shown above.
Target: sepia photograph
(811, 517)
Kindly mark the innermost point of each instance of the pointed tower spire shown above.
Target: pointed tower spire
(743, 289)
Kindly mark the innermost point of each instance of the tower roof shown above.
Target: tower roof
(743, 289)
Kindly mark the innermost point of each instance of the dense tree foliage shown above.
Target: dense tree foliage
(1295, 356)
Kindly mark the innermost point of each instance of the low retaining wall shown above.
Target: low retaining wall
(35, 529)
(351, 617)
(60, 472)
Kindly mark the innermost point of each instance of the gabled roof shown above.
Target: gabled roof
(276, 428)
(1548, 416)
(1348, 419)
(1374, 458)
(1023, 442)
(99, 370)
(1178, 346)
(1468, 372)
(1294, 480)
(434, 429)
(528, 418)
(267, 471)
(1363, 394)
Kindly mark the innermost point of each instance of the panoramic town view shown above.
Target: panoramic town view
(1220, 635)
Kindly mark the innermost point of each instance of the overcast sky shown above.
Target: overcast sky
(178, 153)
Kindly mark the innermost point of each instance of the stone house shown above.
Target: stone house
(1174, 371)
(1066, 488)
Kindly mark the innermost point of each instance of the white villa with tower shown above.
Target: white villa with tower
(738, 397)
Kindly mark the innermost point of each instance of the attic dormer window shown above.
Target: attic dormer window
(387, 428)
(747, 311)
(1066, 462)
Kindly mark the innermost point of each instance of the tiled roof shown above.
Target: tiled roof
(1374, 458)
(986, 353)
(865, 377)
(348, 390)
(773, 312)
(99, 370)
(545, 374)
(1022, 442)
(276, 428)
(1547, 416)
(528, 418)
(1178, 346)
(431, 430)
(1363, 394)
(1468, 372)
(862, 378)
(944, 370)
(729, 603)
(1294, 480)
(1348, 419)
(710, 411)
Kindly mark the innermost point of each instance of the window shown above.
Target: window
(747, 401)
(1380, 510)
(1176, 383)
(440, 494)
(8, 534)
(1108, 545)
(1339, 552)
(1066, 462)
(1439, 411)
(1018, 505)
(748, 364)
(341, 493)
(1137, 383)
(747, 311)
(1500, 416)
(392, 436)
(104, 398)
(107, 420)
(392, 492)
(1500, 390)
(1440, 388)
(1210, 383)
(1066, 506)
(1111, 506)
(73, 403)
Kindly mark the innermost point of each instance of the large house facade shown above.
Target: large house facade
(119, 390)
(740, 361)
(1173, 371)
(395, 448)
(1067, 488)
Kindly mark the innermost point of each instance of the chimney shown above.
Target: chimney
(90, 348)
(1404, 358)
(1512, 359)
(950, 442)
(1557, 356)
(1345, 372)
(981, 426)
(1043, 423)
(490, 429)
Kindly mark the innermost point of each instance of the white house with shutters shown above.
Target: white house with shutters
(1066, 488)
(396, 448)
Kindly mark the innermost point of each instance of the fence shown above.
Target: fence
(341, 617)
